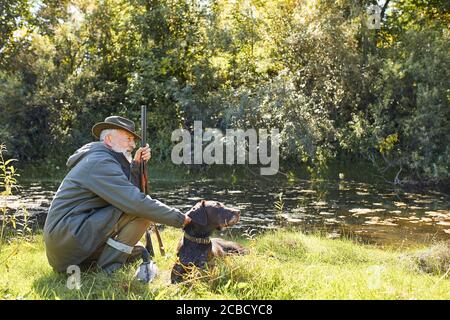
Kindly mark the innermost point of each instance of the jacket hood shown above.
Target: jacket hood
(84, 150)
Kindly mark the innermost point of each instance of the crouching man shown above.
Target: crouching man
(98, 214)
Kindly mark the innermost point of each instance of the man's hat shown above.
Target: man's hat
(114, 122)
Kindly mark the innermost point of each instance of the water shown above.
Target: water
(374, 213)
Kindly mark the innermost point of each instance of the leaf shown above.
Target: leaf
(242, 285)
(227, 285)
(9, 161)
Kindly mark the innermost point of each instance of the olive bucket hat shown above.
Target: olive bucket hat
(114, 122)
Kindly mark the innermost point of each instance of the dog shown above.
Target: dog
(196, 248)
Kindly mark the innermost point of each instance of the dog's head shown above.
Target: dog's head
(208, 216)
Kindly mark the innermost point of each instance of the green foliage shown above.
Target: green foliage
(14, 17)
(279, 204)
(8, 182)
(313, 69)
(388, 143)
(8, 174)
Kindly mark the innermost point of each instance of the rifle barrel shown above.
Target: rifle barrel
(143, 125)
(144, 185)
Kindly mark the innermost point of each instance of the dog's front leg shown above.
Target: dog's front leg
(178, 271)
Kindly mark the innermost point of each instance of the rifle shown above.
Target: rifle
(145, 188)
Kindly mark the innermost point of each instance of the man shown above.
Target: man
(98, 213)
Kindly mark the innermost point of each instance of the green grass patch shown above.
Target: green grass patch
(280, 265)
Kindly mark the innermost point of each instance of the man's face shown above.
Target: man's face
(122, 141)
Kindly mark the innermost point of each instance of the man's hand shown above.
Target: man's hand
(144, 153)
(187, 220)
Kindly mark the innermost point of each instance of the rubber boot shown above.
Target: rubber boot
(147, 271)
(112, 259)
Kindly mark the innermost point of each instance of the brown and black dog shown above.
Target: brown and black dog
(196, 248)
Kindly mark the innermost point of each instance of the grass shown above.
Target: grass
(280, 265)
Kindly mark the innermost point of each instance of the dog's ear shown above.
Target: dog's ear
(198, 216)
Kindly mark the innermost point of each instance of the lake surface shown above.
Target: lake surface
(377, 214)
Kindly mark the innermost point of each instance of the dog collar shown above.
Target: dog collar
(197, 240)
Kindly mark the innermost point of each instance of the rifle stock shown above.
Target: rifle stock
(145, 187)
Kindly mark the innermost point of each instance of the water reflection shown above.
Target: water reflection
(374, 213)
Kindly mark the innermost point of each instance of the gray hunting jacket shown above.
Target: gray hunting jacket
(90, 201)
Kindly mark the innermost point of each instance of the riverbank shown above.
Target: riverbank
(280, 265)
(340, 170)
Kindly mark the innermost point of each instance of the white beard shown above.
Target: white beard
(124, 151)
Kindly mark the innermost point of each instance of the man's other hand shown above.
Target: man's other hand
(144, 153)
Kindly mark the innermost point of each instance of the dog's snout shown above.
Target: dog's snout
(236, 212)
(237, 216)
